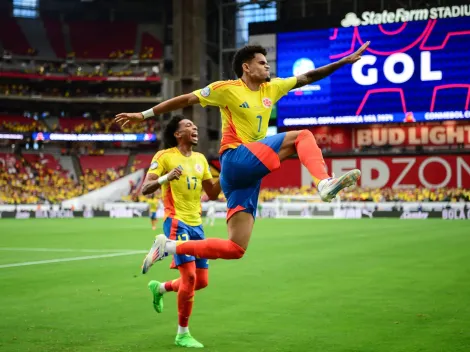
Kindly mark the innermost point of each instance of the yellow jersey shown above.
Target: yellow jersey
(245, 113)
(182, 198)
(153, 205)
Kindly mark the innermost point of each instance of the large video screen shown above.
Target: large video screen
(412, 71)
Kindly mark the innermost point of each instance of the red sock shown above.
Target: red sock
(211, 248)
(310, 156)
(186, 292)
(172, 286)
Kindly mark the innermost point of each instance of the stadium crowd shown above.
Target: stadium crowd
(354, 195)
(23, 90)
(75, 125)
(379, 194)
(18, 127)
(70, 67)
(102, 125)
(35, 182)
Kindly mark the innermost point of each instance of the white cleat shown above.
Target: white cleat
(333, 185)
(156, 253)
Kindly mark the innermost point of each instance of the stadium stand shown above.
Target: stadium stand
(96, 178)
(102, 163)
(20, 124)
(75, 124)
(151, 47)
(102, 39)
(56, 36)
(23, 124)
(12, 38)
(35, 33)
(46, 38)
(142, 161)
(44, 160)
(39, 180)
(378, 195)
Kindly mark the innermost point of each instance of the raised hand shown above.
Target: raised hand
(125, 117)
(355, 57)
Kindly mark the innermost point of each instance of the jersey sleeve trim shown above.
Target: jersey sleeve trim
(287, 84)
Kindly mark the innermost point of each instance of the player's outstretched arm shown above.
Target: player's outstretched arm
(212, 188)
(325, 71)
(153, 181)
(169, 105)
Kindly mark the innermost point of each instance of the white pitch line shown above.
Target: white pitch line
(21, 249)
(70, 259)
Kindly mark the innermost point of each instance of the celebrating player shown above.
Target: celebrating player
(153, 203)
(182, 174)
(246, 155)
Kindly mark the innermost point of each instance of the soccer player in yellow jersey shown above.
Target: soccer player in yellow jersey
(246, 154)
(182, 174)
(153, 203)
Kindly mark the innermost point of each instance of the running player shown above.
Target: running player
(153, 203)
(246, 154)
(182, 174)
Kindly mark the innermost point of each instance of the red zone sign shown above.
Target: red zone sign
(407, 171)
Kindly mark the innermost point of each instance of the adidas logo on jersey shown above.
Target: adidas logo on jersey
(245, 105)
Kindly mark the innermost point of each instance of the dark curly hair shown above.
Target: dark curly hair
(170, 129)
(245, 54)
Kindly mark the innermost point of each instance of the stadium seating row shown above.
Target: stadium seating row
(378, 195)
(88, 39)
(22, 124)
(27, 90)
(39, 178)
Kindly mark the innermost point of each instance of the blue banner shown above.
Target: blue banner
(96, 137)
(412, 72)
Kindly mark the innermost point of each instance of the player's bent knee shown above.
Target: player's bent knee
(305, 134)
(237, 251)
(202, 283)
(189, 279)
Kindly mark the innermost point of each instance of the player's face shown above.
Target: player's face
(187, 131)
(258, 69)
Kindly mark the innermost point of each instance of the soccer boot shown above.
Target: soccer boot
(331, 187)
(186, 340)
(154, 287)
(156, 253)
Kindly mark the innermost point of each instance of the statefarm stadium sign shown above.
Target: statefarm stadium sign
(402, 15)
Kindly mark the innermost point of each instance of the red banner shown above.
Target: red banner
(407, 172)
(78, 78)
(288, 175)
(428, 135)
(333, 138)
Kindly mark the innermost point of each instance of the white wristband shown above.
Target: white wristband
(148, 113)
(163, 179)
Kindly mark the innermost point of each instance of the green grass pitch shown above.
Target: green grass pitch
(304, 285)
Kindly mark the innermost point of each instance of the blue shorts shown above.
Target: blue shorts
(243, 169)
(175, 229)
(153, 215)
